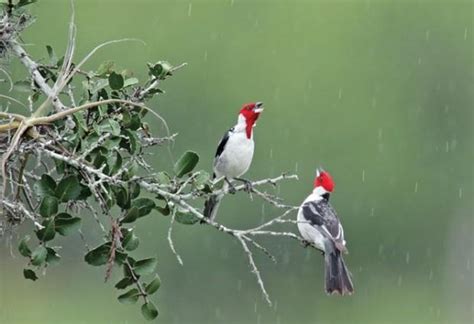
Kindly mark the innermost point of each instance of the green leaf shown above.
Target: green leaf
(39, 255)
(145, 266)
(99, 255)
(116, 81)
(186, 163)
(134, 189)
(23, 247)
(22, 3)
(121, 196)
(131, 215)
(53, 59)
(52, 257)
(165, 211)
(109, 126)
(47, 233)
(22, 86)
(144, 205)
(186, 218)
(105, 68)
(130, 241)
(48, 206)
(201, 179)
(149, 311)
(129, 82)
(153, 286)
(130, 297)
(68, 188)
(163, 178)
(124, 283)
(160, 69)
(65, 224)
(46, 186)
(29, 274)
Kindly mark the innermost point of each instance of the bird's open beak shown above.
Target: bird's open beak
(318, 172)
(258, 107)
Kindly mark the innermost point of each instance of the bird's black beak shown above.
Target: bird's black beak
(258, 107)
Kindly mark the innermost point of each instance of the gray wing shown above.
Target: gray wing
(321, 215)
(221, 146)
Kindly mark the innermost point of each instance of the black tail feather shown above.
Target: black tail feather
(338, 277)
(209, 206)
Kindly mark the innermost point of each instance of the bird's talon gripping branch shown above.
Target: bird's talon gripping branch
(232, 189)
(247, 183)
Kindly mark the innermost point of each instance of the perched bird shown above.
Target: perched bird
(320, 226)
(234, 153)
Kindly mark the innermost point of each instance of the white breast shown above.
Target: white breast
(236, 158)
(308, 231)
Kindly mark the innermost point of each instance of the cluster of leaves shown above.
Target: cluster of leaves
(112, 139)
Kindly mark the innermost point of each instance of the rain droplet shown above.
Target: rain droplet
(460, 193)
(340, 94)
(205, 56)
(372, 211)
(399, 281)
(447, 146)
(430, 276)
(380, 249)
(374, 102)
(407, 258)
(190, 8)
(296, 167)
(380, 133)
(427, 35)
(271, 153)
(416, 187)
(465, 33)
(239, 285)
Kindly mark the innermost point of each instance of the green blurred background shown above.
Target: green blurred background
(380, 93)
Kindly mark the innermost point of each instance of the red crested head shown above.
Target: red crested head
(251, 112)
(324, 179)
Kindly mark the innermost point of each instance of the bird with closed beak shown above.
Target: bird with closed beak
(319, 225)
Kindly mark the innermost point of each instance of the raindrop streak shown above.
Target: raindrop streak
(430, 276)
(407, 258)
(380, 133)
(400, 279)
(363, 175)
(427, 35)
(465, 33)
(447, 146)
(380, 249)
(374, 102)
(190, 9)
(239, 285)
(271, 153)
(340, 94)
(372, 212)
(296, 167)
(205, 56)
(460, 193)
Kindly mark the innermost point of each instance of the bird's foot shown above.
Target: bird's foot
(231, 189)
(305, 243)
(247, 183)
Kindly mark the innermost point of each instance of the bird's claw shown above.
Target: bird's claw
(248, 185)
